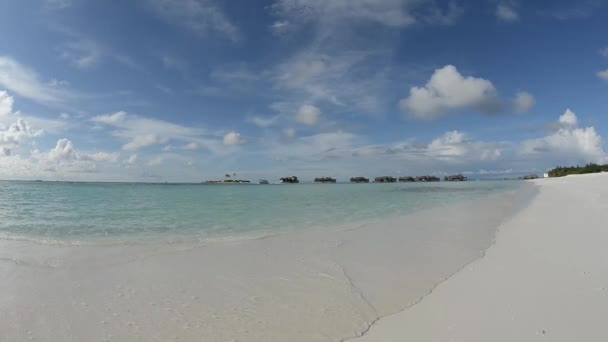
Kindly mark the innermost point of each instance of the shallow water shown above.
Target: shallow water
(113, 212)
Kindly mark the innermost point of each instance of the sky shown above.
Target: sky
(189, 90)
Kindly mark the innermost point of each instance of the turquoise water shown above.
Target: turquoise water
(53, 212)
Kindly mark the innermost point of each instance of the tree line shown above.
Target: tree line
(561, 171)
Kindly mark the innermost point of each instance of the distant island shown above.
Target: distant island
(561, 171)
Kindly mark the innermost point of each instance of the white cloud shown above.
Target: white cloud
(83, 54)
(233, 138)
(289, 133)
(343, 13)
(190, 147)
(25, 82)
(505, 11)
(140, 132)
(132, 159)
(264, 122)
(110, 119)
(524, 102)
(352, 80)
(308, 115)
(65, 158)
(279, 26)
(16, 128)
(570, 144)
(171, 157)
(568, 119)
(386, 12)
(449, 90)
(6, 104)
(199, 16)
(456, 145)
(15, 134)
(64, 151)
(603, 75)
(146, 140)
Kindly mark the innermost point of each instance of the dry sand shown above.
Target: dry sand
(545, 279)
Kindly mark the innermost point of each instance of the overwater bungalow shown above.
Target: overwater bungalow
(455, 178)
(385, 179)
(407, 179)
(325, 180)
(290, 180)
(359, 180)
(264, 181)
(427, 179)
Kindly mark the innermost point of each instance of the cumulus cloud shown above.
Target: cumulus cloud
(603, 75)
(15, 134)
(568, 119)
(6, 104)
(308, 115)
(65, 158)
(506, 11)
(569, 144)
(524, 102)
(233, 138)
(64, 151)
(449, 90)
(199, 16)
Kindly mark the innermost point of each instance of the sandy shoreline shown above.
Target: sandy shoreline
(545, 279)
(307, 286)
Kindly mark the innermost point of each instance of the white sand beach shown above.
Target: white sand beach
(545, 279)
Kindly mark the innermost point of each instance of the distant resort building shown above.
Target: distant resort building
(528, 177)
(325, 180)
(264, 181)
(385, 179)
(228, 181)
(407, 179)
(359, 180)
(290, 180)
(427, 179)
(455, 178)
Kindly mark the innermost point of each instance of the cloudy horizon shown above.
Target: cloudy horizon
(187, 91)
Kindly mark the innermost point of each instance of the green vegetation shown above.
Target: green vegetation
(577, 170)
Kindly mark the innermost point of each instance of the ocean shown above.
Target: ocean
(82, 213)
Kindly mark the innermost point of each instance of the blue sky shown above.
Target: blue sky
(160, 90)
